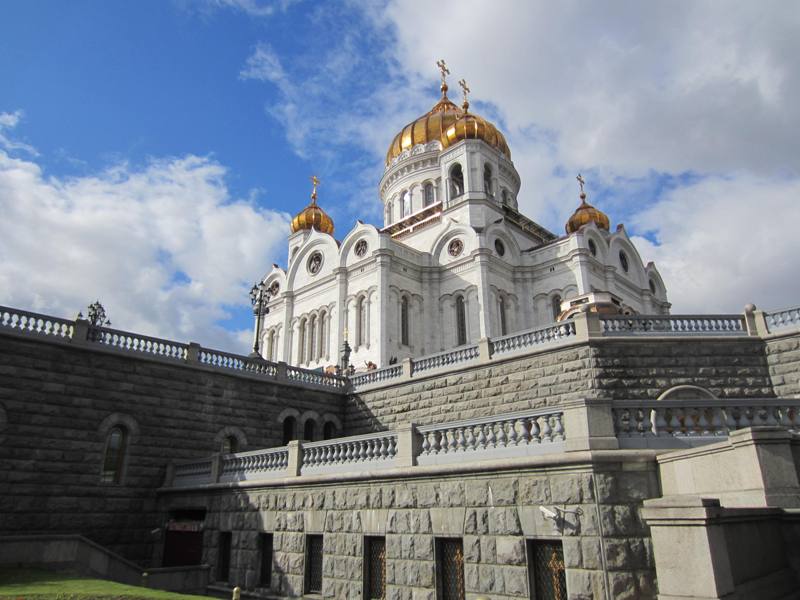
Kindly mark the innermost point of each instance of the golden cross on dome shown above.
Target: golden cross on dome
(581, 182)
(315, 183)
(466, 91)
(444, 70)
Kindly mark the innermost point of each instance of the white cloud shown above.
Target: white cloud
(9, 121)
(254, 8)
(164, 246)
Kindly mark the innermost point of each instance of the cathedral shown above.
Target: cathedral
(455, 261)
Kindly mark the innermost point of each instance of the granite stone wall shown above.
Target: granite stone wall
(618, 369)
(57, 402)
(783, 358)
(493, 514)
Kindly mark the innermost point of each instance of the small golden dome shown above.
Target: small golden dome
(585, 214)
(473, 127)
(312, 216)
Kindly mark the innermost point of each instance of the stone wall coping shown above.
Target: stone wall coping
(68, 537)
(559, 461)
(700, 511)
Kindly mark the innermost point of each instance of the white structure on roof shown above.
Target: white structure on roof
(454, 262)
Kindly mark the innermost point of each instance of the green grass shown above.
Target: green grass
(39, 584)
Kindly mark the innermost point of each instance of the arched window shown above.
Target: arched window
(623, 261)
(301, 342)
(312, 337)
(323, 338)
(388, 213)
(361, 322)
(504, 196)
(230, 444)
(556, 307)
(289, 430)
(487, 180)
(404, 321)
(329, 430)
(456, 181)
(271, 345)
(114, 458)
(502, 310)
(461, 321)
(406, 203)
(309, 430)
(653, 288)
(428, 194)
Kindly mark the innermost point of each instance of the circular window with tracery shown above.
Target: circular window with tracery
(455, 248)
(499, 247)
(361, 247)
(274, 289)
(315, 263)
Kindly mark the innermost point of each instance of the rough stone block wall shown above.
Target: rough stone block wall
(55, 398)
(542, 379)
(493, 514)
(783, 357)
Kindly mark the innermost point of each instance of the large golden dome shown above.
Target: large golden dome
(447, 124)
(585, 214)
(312, 216)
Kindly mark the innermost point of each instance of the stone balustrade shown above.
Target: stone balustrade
(671, 325)
(534, 337)
(186, 473)
(448, 358)
(683, 423)
(134, 342)
(258, 464)
(344, 454)
(22, 321)
(783, 319)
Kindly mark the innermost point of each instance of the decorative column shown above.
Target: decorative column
(383, 260)
(482, 255)
(288, 338)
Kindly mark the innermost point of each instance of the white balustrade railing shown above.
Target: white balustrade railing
(780, 319)
(673, 325)
(679, 423)
(535, 337)
(377, 376)
(320, 378)
(225, 360)
(343, 454)
(191, 472)
(448, 358)
(258, 464)
(133, 342)
(521, 433)
(33, 323)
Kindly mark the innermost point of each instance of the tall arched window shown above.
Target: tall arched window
(114, 457)
(556, 307)
(271, 345)
(487, 180)
(289, 430)
(361, 322)
(329, 430)
(428, 194)
(388, 213)
(301, 342)
(309, 430)
(456, 181)
(502, 310)
(504, 197)
(323, 341)
(312, 338)
(461, 321)
(406, 203)
(230, 444)
(404, 321)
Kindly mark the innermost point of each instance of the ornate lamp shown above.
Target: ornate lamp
(259, 298)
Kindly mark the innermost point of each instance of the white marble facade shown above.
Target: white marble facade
(455, 262)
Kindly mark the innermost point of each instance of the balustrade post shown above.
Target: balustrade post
(589, 425)
(409, 445)
(756, 321)
(408, 368)
(587, 325)
(216, 467)
(484, 350)
(80, 332)
(280, 371)
(295, 458)
(193, 352)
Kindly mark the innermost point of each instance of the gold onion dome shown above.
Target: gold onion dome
(447, 124)
(586, 213)
(312, 216)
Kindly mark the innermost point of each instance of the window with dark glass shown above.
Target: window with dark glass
(301, 342)
(404, 321)
(456, 181)
(230, 444)
(653, 286)
(502, 309)
(361, 322)
(556, 307)
(114, 457)
(313, 574)
(487, 180)
(546, 570)
(374, 568)
(428, 194)
(309, 430)
(449, 569)
(224, 556)
(592, 247)
(329, 430)
(623, 261)
(461, 321)
(265, 548)
(289, 429)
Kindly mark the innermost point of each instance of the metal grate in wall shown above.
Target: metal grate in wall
(450, 569)
(375, 553)
(546, 569)
(313, 564)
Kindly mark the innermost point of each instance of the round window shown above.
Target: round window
(592, 247)
(274, 289)
(499, 247)
(314, 263)
(361, 247)
(623, 261)
(456, 247)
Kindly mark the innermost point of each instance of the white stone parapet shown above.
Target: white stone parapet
(671, 325)
(783, 319)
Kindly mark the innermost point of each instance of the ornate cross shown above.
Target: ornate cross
(443, 68)
(580, 181)
(315, 183)
(466, 91)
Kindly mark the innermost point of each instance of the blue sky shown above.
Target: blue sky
(151, 152)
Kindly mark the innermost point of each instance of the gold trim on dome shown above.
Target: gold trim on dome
(312, 216)
(586, 213)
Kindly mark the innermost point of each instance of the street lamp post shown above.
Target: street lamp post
(259, 297)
